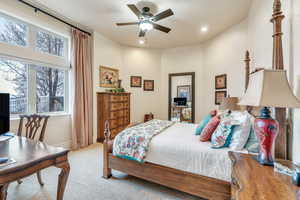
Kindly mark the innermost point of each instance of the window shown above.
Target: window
(50, 88)
(32, 84)
(34, 87)
(50, 43)
(13, 32)
(13, 79)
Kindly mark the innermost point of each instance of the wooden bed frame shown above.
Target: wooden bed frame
(201, 186)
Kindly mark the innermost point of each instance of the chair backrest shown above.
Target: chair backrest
(35, 126)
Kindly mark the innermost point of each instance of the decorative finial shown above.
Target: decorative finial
(247, 56)
(277, 6)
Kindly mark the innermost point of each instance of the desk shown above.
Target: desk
(32, 156)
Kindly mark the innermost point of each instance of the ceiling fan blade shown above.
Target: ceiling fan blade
(142, 33)
(127, 23)
(135, 10)
(162, 15)
(161, 28)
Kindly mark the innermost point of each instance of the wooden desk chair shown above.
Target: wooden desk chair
(35, 127)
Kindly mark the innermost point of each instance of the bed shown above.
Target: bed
(200, 171)
(189, 173)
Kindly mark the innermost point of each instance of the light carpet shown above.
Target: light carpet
(86, 183)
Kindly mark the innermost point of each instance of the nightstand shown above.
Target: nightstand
(252, 181)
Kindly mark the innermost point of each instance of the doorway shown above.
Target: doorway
(182, 97)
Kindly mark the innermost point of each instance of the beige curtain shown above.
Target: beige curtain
(82, 116)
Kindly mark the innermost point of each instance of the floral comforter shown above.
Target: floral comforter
(133, 143)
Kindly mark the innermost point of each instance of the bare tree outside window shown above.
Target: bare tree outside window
(49, 43)
(12, 32)
(13, 79)
(50, 89)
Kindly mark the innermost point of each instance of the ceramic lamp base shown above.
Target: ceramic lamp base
(266, 130)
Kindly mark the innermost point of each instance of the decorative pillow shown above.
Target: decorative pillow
(222, 136)
(202, 124)
(213, 113)
(209, 129)
(242, 131)
(252, 144)
(205, 121)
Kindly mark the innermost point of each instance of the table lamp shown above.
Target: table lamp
(268, 88)
(230, 103)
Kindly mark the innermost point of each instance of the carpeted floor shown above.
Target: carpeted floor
(85, 183)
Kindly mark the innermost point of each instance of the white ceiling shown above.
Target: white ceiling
(190, 16)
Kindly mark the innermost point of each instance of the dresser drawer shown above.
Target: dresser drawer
(126, 121)
(116, 114)
(115, 98)
(125, 98)
(116, 106)
(113, 124)
(126, 105)
(113, 133)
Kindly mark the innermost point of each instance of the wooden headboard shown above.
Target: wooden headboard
(278, 64)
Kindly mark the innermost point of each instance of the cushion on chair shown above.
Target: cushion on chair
(209, 129)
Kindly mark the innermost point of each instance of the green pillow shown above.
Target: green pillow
(202, 124)
(252, 144)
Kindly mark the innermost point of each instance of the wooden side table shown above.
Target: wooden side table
(252, 181)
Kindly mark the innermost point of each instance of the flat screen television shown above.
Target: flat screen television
(180, 101)
(4, 113)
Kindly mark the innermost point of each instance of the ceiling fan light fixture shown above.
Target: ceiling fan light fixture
(204, 29)
(142, 41)
(146, 25)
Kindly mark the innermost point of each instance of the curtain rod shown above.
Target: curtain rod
(36, 9)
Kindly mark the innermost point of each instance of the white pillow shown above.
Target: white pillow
(241, 132)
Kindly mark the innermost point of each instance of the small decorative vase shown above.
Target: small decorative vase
(266, 130)
(119, 83)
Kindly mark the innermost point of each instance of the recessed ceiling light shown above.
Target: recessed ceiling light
(204, 29)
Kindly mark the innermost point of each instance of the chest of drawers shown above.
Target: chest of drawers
(114, 107)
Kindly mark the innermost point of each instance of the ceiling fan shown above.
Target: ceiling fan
(147, 20)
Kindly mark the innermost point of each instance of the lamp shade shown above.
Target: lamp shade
(230, 103)
(270, 88)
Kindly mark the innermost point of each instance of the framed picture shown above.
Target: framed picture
(148, 85)
(109, 77)
(221, 82)
(219, 96)
(184, 91)
(136, 81)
